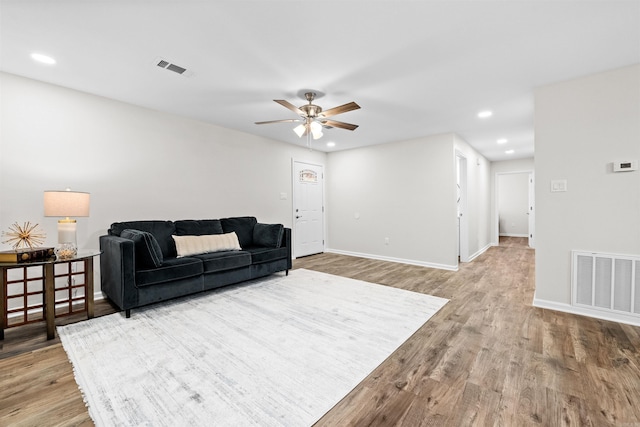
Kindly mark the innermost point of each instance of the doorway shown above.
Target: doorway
(461, 208)
(308, 209)
(514, 206)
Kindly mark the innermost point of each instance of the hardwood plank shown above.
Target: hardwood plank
(477, 406)
(38, 388)
(370, 407)
(422, 414)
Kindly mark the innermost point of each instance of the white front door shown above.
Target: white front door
(308, 209)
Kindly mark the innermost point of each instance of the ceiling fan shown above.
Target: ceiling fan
(313, 118)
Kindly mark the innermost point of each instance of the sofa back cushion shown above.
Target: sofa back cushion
(147, 250)
(198, 227)
(268, 235)
(242, 226)
(161, 230)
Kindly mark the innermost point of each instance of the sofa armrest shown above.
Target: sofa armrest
(286, 242)
(117, 271)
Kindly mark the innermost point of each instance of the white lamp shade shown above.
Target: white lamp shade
(66, 203)
(315, 127)
(316, 130)
(300, 130)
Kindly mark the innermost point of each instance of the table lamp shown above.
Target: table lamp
(66, 204)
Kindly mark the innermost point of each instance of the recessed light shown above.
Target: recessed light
(485, 114)
(509, 152)
(43, 58)
(331, 144)
(502, 141)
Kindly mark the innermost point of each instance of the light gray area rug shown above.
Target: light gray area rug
(280, 351)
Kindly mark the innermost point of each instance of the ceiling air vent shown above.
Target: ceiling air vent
(162, 63)
(176, 68)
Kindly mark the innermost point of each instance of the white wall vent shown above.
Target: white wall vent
(606, 282)
(163, 63)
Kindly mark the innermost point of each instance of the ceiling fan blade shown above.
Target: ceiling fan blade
(339, 110)
(278, 121)
(290, 106)
(336, 124)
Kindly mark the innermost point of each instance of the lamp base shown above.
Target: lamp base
(67, 247)
(66, 250)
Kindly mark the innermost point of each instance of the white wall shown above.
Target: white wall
(513, 204)
(136, 163)
(505, 167)
(582, 126)
(406, 192)
(402, 191)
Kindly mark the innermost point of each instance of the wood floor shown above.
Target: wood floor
(486, 358)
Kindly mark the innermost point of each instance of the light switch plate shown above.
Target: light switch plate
(558, 185)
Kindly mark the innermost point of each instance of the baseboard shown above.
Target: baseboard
(581, 311)
(392, 259)
(479, 252)
(513, 235)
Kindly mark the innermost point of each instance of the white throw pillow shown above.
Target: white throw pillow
(192, 245)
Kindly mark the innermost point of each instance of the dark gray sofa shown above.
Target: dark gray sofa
(140, 265)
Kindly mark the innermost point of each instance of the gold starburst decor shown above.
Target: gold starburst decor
(26, 236)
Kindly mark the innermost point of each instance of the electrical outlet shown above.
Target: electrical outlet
(386, 240)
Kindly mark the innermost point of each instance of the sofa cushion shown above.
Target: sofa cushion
(262, 254)
(171, 269)
(221, 261)
(147, 250)
(195, 227)
(161, 230)
(191, 245)
(268, 235)
(243, 227)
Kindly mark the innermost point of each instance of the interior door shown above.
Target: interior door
(532, 212)
(308, 209)
(461, 209)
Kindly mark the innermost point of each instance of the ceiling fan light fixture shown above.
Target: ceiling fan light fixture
(315, 127)
(300, 130)
(316, 130)
(315, 118)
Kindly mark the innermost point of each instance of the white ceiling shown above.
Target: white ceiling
(416, 68)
